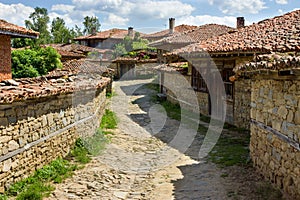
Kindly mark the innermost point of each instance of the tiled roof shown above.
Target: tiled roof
(112, 33)
(195, 35)
(31, 88)
(74, 48)
(7, 28)
(271, 62)
(278, 34)
(172, 67)
(83, 66)
(70, 54)
(178, 29)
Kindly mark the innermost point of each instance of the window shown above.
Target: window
(198, 83)
(226, 73)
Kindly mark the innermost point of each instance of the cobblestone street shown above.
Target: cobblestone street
(140, 163)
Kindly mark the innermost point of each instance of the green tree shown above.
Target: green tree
(91, 25)
(34, 62)
(60, 33)
(75, 32)
(38, 21)
(22, 42)
(119, 50)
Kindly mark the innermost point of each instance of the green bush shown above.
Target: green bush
(109, 120)
(34, 62)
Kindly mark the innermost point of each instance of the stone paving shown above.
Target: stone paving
(143, 160)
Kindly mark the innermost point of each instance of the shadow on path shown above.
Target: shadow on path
(200, 181)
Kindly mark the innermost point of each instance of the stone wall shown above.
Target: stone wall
(179, 91)
(5, 58)
(34, 132)
(242, 100)
(275, 132)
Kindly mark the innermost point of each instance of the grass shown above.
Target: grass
(231, 150)
(109, 120)
(110, 94)
(40, 184)
(173, 110)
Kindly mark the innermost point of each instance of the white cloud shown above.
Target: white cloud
(281, 1)
(99, 4)
(162, 9)
(116, 20)
(207, 19)
(239, 7)
(62, 8)
(15, 13)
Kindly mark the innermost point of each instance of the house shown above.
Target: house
(105, 39)
(275, 117)
(179, 40)
(258, 66)
(225, 52)
(77, 51)
(8, 31)
(133, 67)
(173, 30)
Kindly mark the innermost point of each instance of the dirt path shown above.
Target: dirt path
(143, 161)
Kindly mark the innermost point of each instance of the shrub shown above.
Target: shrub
(34, 62)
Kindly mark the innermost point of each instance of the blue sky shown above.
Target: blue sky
(148, 15)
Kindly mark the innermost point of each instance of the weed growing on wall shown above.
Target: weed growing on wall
(40, 184)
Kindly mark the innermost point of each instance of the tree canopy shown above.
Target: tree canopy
(38, 21)
(91, 25)
(60, 33)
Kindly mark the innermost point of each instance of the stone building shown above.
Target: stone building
(275, 117)
(259, 88)
(8, 31)
(229, 50)
(182, 39)
(172, 31)
(106, 39)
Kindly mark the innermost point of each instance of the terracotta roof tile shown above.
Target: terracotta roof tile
(172, 67)
(112, 33)
(280, 34)
(195, 35)
(75, 48)
(83, 66)
(274, 62)
(31, 88)
(165, 33)
(17, 31)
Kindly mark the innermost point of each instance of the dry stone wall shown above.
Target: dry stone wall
(275, 132)
(34, 132)
(242, 101)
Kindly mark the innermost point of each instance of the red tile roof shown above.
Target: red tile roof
(82, 66)
(195, 35)
(7, 28)
(279, 34)
(112, 33)
(74, 48)
(172, 67)
(274, 62)
(31, 88)
(165, 33)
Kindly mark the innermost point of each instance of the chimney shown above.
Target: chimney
(93, 31)
(171, 25)
(240, 22)
(130, 31)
